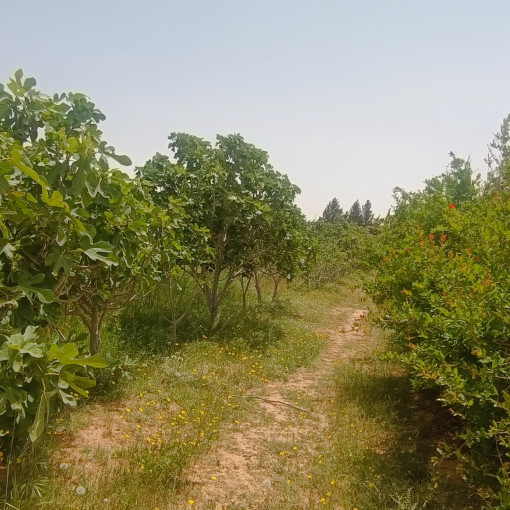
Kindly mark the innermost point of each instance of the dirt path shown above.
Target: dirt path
(241, 469)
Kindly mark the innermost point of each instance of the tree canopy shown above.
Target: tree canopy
(332, 212)
(238, 207)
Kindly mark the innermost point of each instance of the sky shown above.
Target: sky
(349, 98)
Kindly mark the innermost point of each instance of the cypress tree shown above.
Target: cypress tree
(355, 213)
(333, 211)
(368, 215)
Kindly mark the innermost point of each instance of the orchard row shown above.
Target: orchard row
(442, 286)
(81, 238)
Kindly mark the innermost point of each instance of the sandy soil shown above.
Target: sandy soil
(239, 469)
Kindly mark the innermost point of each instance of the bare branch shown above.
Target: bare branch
(274, 401)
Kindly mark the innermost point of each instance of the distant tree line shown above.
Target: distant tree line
(360, 214)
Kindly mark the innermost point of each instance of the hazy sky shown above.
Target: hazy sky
(350, 98)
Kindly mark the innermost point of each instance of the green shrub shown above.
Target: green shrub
(442, 287)
(33, 376)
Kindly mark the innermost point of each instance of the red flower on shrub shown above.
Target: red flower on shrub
(443, 238)
(452, 206)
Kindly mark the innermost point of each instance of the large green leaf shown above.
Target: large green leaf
(122, 159)
(4, 352)
(73, 144)
(33, 349)
(95, 361)
(67, 398)
(29, 83)
(78, 180)
(66, 355)
(60, 260)
(79, 225)
(28, 286)
(56, 200)
(77, 382)
(101, 250)
(8, 249)
(4, 184)
(41, 416)
(5, 106)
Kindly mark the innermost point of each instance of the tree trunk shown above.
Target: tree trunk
(94, 327)
(245, 290)
(257, 287)
(173, 305)
(214, 307)
(214, 294)
(92, 317)
(275, 288)
(212, 300)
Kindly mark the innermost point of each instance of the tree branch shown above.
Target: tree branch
(274, 401)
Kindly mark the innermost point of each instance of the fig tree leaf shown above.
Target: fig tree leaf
(121, 159)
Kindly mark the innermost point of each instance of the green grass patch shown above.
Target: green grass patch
(158, 409)
(378, 455)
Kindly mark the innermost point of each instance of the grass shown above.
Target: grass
(164, 402)
(158, 408)
(375, 454)
(378, 454)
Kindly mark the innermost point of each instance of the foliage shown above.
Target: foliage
(332, 212)
(238, 208)
(75, 232)
(368, 215)
(442, 287)
(34, 374)
(76, 236)
(340, 248)
(355, 213)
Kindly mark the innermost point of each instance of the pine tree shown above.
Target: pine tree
(333, 211)
(368, 215)
(355, 213)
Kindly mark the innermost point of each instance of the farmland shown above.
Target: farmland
(180, 335)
